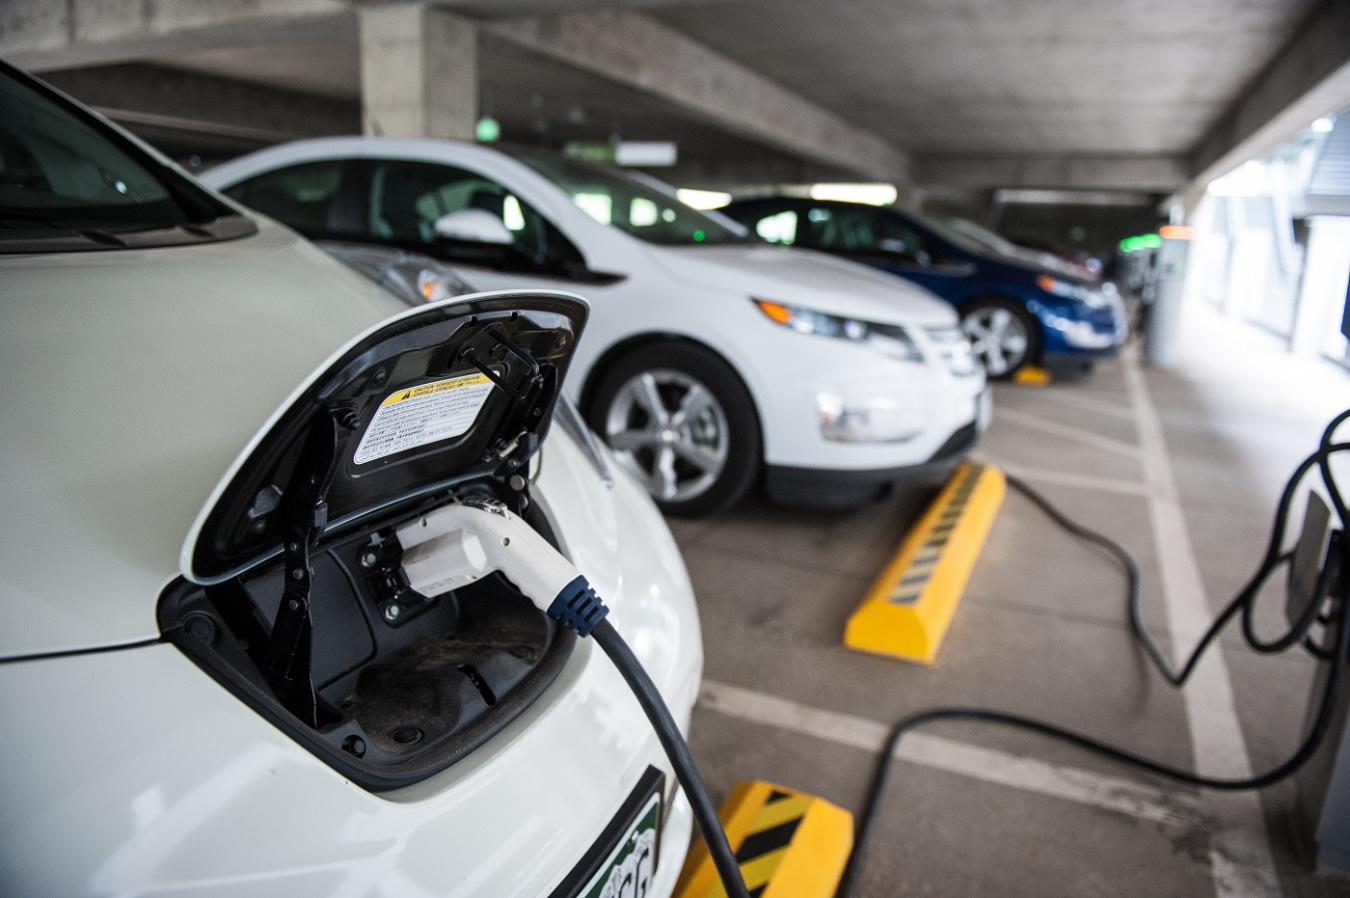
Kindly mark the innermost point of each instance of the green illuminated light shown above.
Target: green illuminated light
(698, 236)
(488, 130)
(1143, 241)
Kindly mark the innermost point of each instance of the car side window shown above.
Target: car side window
(301, 196)
(406, 199)
(864, 231)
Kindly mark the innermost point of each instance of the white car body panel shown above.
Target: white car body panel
(703, 293)
(131, 771)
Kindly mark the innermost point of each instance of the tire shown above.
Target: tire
(706, 454)
(1003, 333)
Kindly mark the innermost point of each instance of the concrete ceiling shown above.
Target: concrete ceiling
(979, 76)
(1021, 92)
(535, 99)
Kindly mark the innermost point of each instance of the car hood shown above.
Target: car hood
(804, 278)
(135, 378)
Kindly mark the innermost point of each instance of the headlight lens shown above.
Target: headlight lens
(954, 347)
(1094, 298)
(888, 339)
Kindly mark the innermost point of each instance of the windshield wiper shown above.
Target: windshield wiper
(96, 235)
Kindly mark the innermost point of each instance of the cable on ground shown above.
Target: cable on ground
(1337, 652)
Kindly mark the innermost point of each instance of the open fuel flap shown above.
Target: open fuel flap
(295, 596)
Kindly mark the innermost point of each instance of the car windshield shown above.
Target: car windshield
(983, 236)
(639, 206)
(59, 174)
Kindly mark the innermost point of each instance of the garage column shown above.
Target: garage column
(419, 72)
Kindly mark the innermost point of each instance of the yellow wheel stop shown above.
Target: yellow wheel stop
(1031, 376)
(907, 611)
(788, 844)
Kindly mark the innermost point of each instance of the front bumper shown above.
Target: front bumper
(792, 376)
(1081, 331)
(836, 489)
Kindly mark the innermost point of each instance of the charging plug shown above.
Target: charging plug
(459, 544)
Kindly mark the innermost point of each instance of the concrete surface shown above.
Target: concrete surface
(977, 94)
(1042, 632)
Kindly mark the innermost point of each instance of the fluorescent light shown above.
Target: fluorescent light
(1248, 179)
(1324, 124)
(872, 194)
(646, 153)
(702, 199)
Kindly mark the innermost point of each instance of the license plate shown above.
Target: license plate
(622, 862)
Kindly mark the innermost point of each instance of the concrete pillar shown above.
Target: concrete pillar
(419, 72)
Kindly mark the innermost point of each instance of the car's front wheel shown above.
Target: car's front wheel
(1003, 335)
(679, 418)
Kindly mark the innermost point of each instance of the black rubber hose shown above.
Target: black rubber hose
(724, 859)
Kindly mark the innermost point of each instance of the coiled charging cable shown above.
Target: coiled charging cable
(1335, 649)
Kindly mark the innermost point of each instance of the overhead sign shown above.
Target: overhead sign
(641, 153)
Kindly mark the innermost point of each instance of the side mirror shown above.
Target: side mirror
(474, 226)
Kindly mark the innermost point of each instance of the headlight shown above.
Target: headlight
(954, 347)
(1094, 298)
(888, 339)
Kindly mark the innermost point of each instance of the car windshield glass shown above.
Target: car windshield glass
(641, 208)
(61, 174)
(985, 237)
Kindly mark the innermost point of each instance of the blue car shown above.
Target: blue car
(1018, 306)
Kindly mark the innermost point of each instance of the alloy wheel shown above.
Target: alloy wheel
(669, 430)
(998, 337)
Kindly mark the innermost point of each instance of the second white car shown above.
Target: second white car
(711, 359)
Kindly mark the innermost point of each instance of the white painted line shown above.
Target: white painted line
(1088, 403)
(1064, 431)
(1065, 478)
(1068, 783)
(1240, 853)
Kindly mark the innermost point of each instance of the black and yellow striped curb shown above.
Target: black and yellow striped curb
(788, 844)
(908, 609)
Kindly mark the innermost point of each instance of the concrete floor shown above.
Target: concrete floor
(971, 809)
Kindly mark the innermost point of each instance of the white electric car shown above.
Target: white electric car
(710, 358)
(187, 408)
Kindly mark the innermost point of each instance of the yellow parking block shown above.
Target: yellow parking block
(788, 844)
(1031, 376)
(908, 609)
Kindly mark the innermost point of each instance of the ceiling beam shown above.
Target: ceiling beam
(1053, 171)
(43, 35)
(1307, 79)
(639, 52)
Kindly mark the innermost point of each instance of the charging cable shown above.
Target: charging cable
(1337, 652)
(461, 543)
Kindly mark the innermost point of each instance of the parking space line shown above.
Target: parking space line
(1088, 403)
(989, 765)
(1240, 853)
(1065, 478)
(1078, 435)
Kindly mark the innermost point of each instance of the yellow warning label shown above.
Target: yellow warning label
(416, 416)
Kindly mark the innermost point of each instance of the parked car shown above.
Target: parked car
(1018, 306)
(710, 358)
(176, 371)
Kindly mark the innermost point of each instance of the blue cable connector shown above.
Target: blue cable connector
(578, 607)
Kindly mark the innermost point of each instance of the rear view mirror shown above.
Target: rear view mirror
(474, 226)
